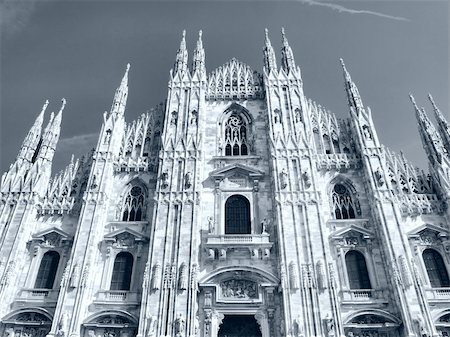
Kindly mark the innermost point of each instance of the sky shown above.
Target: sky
(79, 50)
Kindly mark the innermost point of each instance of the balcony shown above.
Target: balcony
(438, 294)
(337, 161)
(37, 296)
(363, 296)
(117, 297)
(258, 245)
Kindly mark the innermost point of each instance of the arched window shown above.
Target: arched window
(133, 205)
(121, 275)
(358, 276)
(236, 136)
(237, 215)
(343, 205)
(47, 271)
(436, 270)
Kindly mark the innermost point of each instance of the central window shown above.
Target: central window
(236, 136)
(237, 215)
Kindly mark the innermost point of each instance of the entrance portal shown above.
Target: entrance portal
(239, 326)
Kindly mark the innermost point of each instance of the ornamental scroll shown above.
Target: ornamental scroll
(239, 290)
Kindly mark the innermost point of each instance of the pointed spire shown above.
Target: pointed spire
(287, 56)
(270, 62)
(31, 141)
(198, 63)
(354, 99)
(121, 95)
(51, 134)
(443, 125)
(431, 140)
(182, 56)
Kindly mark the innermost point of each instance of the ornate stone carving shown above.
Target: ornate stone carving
(328, 323)
(180, 325)
(379, 177)
(283, 179)
(208, 299)
(306, 179)
(264, 226)
(188, 180)
(183, 278)
(124, 240)
(406, 275)
(75, 277)
(85, 275)
(321, 277)
(151, 326)
(293, 275)
(156, 277)
(239, 289)
(165, 179)
(63, 325)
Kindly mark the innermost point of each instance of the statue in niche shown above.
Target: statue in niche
(283, 179)
(306, 179)
(264, 226)
(108, 136)
(9, 332)
(174, 118)
(151, 325)
(94, 182)
(211, 225)
(179, 325)
(63, 325)
(188, 180)
(277, 116)
(194, 117)
(367, 133)
(165, 179)
(329, 325)
(91, 333)
(208, 299)
(298, 115)
(379, 177)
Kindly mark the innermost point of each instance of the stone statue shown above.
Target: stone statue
(179, 325)
(211, 225)
(264, 225)
(283, 179)
(75, 277)
(379, 177)
(151, 324)
(306, 179)
(188, 180)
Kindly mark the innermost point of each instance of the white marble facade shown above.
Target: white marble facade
(237, 208)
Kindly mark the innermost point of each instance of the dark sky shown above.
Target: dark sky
(79, 50)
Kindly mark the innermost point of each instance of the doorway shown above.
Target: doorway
(239, 326)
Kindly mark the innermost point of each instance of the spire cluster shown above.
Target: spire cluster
(354, 98)
(435, 141)
(287, 56)
(198, 59)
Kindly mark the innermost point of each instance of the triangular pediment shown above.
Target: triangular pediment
(52, 236)
(428, 230)
(125, 234)
(352, 231)
(236, 169)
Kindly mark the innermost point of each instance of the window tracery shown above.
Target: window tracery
(133, 206)
(343, 204)
(236, 136)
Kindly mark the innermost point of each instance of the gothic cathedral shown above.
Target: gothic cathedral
(236, 208)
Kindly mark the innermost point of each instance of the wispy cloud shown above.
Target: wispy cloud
(15, 15)
(79, 143)
(342, 9)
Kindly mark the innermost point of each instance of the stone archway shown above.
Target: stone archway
(239, 326)
(26, 324)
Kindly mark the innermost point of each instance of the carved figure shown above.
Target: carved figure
(208, 299)
(329, 325)
(283, 179)
(306, 179)
(188, 180)
(367, 133)
(179, 325)
(165, 179)
(151, 325)
(174, 118)
(379, 177)
(63, 325)
(211, 225)
(94, 182)
(264, 225)
(276, 116)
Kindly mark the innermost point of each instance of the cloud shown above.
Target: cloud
(342, 9)
(77, 144)
(15, 15)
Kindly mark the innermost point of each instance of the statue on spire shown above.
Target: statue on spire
(287, 56)
(443, 125)
(431, 140)
(270, 62)
(354, 99)
(198, 63)
(182, 56)
(121, 95)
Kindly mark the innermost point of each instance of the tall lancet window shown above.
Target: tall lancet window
(236, 136)
(237, 215)
(343, 204)
(436, 270)
(133, 206)
(121, 275)
(47, 271)
(358, 276)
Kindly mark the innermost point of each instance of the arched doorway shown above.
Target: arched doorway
(239, 326)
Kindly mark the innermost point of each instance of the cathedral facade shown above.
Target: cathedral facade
(238, 207)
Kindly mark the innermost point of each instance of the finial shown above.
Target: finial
(432, 102)
(342, 62)
(128, 67)
(266, 32)
(63, 104)
(184, 33)
(413, 101)
(44, 107)
(282, 31)
(200, 32)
